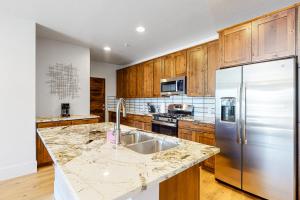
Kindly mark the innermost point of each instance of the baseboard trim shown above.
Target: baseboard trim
(17, 170)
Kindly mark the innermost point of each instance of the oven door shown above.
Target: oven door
(164, 128)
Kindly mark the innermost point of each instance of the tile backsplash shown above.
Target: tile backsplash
(204, 107)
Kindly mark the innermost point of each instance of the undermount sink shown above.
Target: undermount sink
(152, 146)
(134, 137)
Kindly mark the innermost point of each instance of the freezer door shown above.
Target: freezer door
(269, 132)
(228, 161)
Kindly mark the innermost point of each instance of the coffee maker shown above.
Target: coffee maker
(65, 110)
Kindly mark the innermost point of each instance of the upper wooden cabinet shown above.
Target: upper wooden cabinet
(148, 79)
(274, 36)
(130, 81)
(196, 67)
(268, 37)
(168, 66)
(125, 83)
(157, 75)
(202, 62)
(180, 63)
(212, 65)
(235, 45)
(120, 86)
(140, 81)
(174, 64)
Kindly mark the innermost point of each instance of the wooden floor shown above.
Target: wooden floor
(210, 189)
(39, 186)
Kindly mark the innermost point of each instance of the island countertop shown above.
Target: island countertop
(97, 169)
(58, 118)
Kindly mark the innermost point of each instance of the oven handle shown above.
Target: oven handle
(164, 123)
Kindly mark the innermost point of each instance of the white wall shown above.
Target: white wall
(50, 52)
(107, 71)
(17, 98)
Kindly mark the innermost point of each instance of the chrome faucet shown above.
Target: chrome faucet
(120, 103)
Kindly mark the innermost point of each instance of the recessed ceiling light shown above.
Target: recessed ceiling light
(140, 29)
(107, 48)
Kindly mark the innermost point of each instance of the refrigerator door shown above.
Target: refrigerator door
(269, 130)
(228, 139)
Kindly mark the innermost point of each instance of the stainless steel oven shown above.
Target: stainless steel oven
(165, 128)
(173, 86)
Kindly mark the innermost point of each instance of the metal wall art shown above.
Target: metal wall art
(63, 81)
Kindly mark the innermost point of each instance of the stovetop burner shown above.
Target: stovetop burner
(175, 111)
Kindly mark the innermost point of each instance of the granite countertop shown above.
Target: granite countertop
(97, 169)
(196, 119)
(58, 118)
(135, 113)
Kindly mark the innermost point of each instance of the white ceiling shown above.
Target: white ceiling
(170, 24)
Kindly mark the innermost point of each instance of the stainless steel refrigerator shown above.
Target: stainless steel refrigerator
(256, 128)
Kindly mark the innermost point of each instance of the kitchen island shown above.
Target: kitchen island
(88, 166)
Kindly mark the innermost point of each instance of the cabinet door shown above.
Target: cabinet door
(180, 63)
(125, 83)
(235, 45)
(132, 82)
(140, 81)
(185, 134)
(274, 36)
(157, 75)
(120, 83)
(212, 65)
(196, 64)
(148, 79)
(169, 66)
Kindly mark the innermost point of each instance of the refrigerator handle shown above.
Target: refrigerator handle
(243, 113)
(238, 120)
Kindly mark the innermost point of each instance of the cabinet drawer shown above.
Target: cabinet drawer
(147, 119)
(184, 124)
(46, 124)
(84, 121)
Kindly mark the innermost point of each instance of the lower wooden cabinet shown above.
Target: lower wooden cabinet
(199, 132)
(42, 156)
(183, 186)
(138, 121)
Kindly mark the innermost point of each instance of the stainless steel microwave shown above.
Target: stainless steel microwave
(173, 86)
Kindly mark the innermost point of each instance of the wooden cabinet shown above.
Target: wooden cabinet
(235, 45)
(140, 81)
(274, 36)
(196, 67)
(125, 83)
(120, 84)
(268, 37)
(148, 79)
(180, 63)
(212, 65)
(183, 186)
(131, 84)
(42, 156)
(157, 75)
(185, 134)
(199, 132)
(168, 66)
(174, 64)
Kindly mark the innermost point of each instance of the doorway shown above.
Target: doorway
(97, 97)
